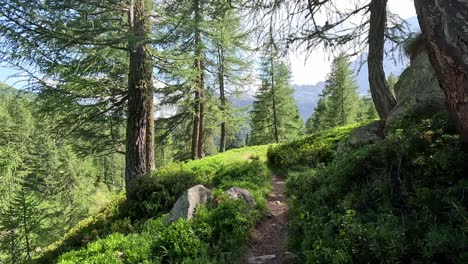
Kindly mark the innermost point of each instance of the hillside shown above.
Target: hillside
(7, 90)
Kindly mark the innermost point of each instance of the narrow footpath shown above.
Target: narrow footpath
(270, 236)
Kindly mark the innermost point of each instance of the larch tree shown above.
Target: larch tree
(327, 25)
(229, 42)
(140, 121)
(444, 26)
(64, 50)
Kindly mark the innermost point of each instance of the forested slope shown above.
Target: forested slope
(134, 232)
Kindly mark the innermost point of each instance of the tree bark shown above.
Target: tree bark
(444, 25)
(381, 95)
(150, 159)
(196, 124)
(222, 98)
(275, 116)
(139, 92)
(199, 83)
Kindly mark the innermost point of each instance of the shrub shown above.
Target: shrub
(307, 152)
(214, 236)
(116, 248)
(398, 201)
(176, 242)
(156, 194)
(110, 219)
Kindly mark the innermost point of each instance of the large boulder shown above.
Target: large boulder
(360, 136)
(369, 133)
(186, 204)
(417, 91)
(239, 193)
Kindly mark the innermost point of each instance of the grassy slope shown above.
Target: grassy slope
(401, 200)
(126, 222)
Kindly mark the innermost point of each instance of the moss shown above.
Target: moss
(414, 46)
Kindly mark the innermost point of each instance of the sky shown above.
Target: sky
(315, 68)
(310, 70)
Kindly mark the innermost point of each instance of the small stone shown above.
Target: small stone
(260, 259)
(239, 193)
(290, 256)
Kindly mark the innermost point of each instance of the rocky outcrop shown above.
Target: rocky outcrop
(185, 206)
(360, 136)
(239, 193)
(369, 133)
(417, 91)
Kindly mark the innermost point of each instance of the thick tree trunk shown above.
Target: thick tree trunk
(444, 25)
(150, 159)
(222, 98)
(275, 116)
(383, 98)
(139, 91)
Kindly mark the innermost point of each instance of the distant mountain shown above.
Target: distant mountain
(395, 63)
(306, 97)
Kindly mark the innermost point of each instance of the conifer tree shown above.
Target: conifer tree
(339, 103)
(274, 117)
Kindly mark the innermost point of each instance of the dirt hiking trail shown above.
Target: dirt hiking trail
(270, 236)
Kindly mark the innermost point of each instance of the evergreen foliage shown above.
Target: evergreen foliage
(46, 187)
(274, 116)
(339, 104)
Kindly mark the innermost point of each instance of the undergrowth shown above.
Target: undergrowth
(401, 200)
(133, 232)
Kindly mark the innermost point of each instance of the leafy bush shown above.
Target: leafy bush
(116, 248)
(307, 152)
(214, 236)
(111, 219)
(398, 201)
(156, 194)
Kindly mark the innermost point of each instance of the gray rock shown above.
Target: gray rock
(261, 259)
(239, 193)
(360, 136)
(291, 257)
(185, 205)
(417, 91)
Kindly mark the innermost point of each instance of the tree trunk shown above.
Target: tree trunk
(150, 159)
(275, 117)
(139, 91)
(444, 25)
(222, 98)
(196, 124)
(200, 115)
(201, 125)
(383, 99)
